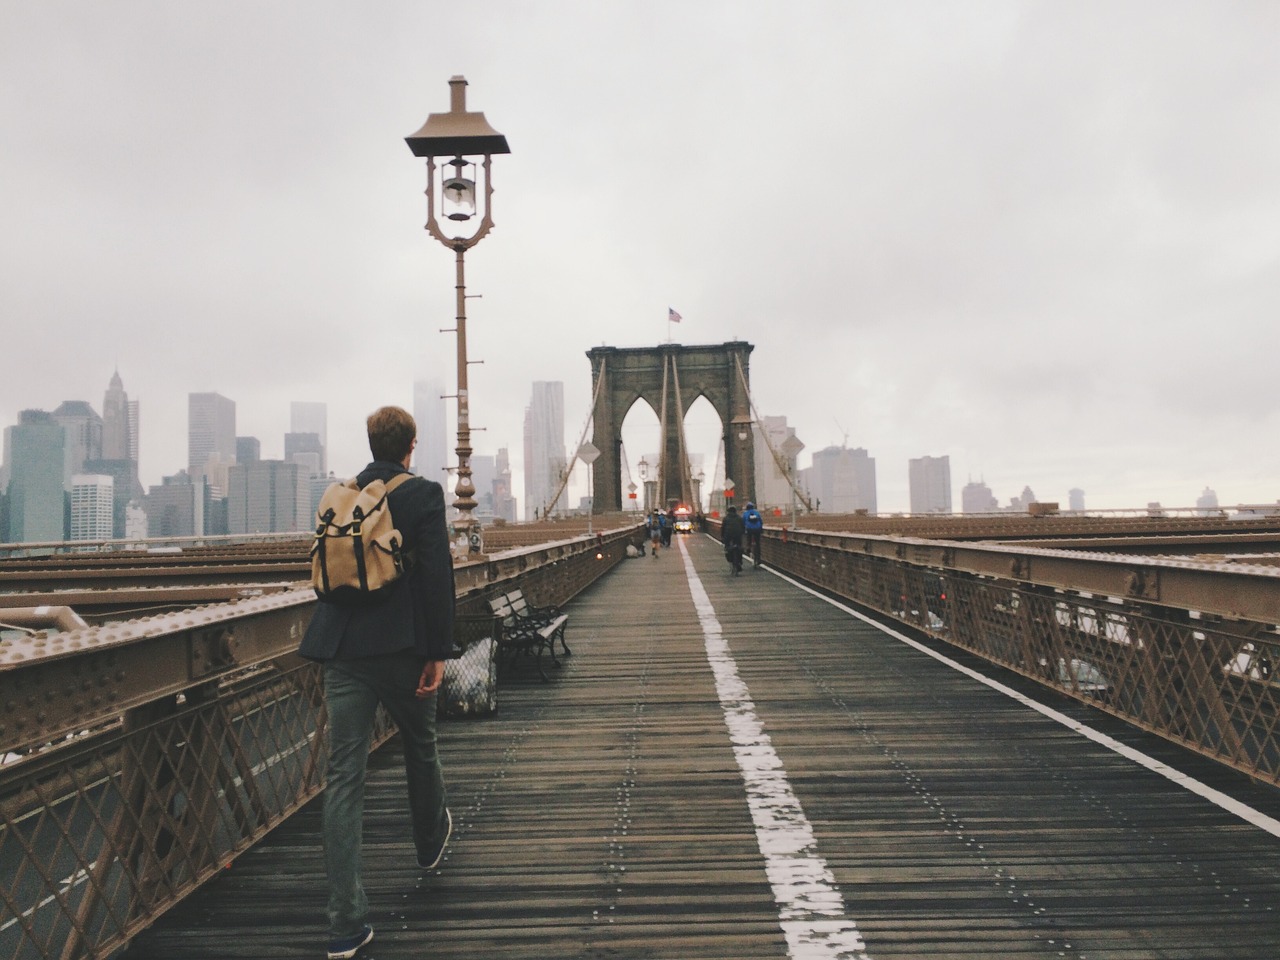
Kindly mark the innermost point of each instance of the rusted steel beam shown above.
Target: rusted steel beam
(145, 600)
(55, 684)
(147, 576)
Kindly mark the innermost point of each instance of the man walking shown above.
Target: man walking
(753, 526)
(389, 650)
(731, 536)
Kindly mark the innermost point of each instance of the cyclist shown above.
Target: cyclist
(753, 524)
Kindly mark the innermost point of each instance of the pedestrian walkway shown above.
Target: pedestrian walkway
(735, 768)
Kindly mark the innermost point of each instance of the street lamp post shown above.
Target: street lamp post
(451, 187)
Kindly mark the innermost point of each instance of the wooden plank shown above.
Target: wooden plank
(602, 815)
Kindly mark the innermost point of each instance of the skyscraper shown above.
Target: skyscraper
(976, 497)
(211, 436)
(248, 449)
(92, 513)
(37, 499)
(119, 423)
(307, 416)
(432, 454)
(544, 456)
(83, 430)
(930, 483)
(504, 504)
(843, 480)
(267, 496)
(306, 450)
(176, 507)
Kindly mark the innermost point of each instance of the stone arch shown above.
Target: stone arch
(622, 375)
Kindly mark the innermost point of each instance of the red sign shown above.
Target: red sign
(728, 494)
(631, 495)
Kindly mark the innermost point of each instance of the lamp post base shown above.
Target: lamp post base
(468, 542)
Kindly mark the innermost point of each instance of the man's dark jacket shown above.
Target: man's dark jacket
(417, 614)
(731, 529)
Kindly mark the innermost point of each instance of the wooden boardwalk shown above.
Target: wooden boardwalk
(606, 814)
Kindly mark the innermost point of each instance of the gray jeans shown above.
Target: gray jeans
(352, 691)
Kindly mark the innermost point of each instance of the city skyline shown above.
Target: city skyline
(82, 416)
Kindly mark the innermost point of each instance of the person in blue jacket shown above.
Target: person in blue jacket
(752, 525)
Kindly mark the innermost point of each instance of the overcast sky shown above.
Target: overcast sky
(1041, 238)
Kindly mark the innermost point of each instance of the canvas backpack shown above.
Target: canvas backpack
(357, 551)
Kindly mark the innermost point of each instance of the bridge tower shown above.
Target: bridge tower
(670, 377)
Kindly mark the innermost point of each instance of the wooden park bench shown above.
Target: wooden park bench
(529, 630)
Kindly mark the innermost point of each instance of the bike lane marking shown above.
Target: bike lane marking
(811, 908)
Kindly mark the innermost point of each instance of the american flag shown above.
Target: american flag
(672, 316)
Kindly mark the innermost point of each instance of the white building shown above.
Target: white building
(91, 506)
(773, 488)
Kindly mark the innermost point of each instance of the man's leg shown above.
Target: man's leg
(351, 703)
(416, 719)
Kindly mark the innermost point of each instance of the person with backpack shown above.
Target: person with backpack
(753, 525)
(655, 531)
(382, 630)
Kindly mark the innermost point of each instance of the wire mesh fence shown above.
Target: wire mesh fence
(1205, 681)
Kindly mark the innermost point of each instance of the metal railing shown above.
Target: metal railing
(1183, 648)
(138, 759)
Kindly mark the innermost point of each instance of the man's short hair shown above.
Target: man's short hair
(391, 433)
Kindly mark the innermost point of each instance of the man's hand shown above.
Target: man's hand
(429, 682)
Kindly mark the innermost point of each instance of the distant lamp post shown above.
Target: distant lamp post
(644, 481)
(451, 187)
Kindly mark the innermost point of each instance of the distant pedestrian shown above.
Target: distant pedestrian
(390, 650)
(731, 530)
(655, 531)
(666, 525)
(753, 525)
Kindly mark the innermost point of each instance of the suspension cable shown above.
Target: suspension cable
(564, 481)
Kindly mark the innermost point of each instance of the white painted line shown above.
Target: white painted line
(1233, 806)
(811, 909)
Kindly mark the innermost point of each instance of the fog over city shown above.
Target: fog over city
(1040, 238)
